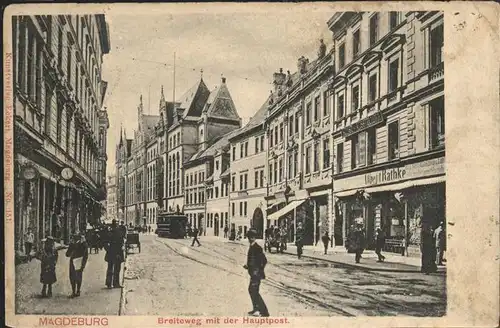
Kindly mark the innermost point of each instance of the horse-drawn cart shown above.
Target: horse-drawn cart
(132, 240)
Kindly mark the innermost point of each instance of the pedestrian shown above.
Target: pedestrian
(379, 244)
(149, 229)
(29, 239)
(123, 229)
(325, 239)
(195, 237)
(358, 242)
(48, 261)
(226, 229)
(427, 246)
(440, 238)
(114, 256)
(256, 262)
(299, 239)
(78, 254)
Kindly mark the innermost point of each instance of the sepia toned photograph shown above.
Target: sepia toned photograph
(230, 167)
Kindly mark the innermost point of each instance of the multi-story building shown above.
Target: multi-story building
(111, 201)
(60, 124)
(388, 123)
(247, 174)
(162, 146)
(299, 159)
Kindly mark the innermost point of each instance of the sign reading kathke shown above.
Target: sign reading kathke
(364, 124)
(67, 173)
(29, 172)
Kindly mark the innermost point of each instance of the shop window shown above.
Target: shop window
(371, 147)
(340, 158)
(308, 160)
(340, 106)
(355, 98)
(308, 114)
(393, 19)
(393, 75)
(373, 29)
(372, 88)
(393, 140)
(326, 153)
(356, 43)
(316, 157)
(436, 46)
(342, 55)
(437, 123)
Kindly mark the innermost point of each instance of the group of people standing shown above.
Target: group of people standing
(112, 239)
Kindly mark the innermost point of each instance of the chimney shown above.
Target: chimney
(223, 80)
(279, 80)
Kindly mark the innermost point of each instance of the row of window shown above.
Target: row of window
(259, 147)
(217, 220)
(195, 196)
(243, 206)
(174, 140)
(195, 178)
(213, 192)
(151, 217)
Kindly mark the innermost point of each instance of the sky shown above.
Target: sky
(246, 47)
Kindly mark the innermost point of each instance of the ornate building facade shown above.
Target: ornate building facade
(60, 124)
(388, 124)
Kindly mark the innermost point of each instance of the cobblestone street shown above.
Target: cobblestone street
(171, 277)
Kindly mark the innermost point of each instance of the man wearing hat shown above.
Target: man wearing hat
(78, 253)
(256, 262)
(114, 255)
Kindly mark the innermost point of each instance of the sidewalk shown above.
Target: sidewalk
(339, 256)
(95, 298)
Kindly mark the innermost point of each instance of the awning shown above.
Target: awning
(394, 186)
(294, 204)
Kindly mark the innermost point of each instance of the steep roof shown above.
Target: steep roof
(193, 99)
(150, 121)
(220, 103)
(258, 119)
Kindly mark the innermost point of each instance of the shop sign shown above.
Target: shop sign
(385, 176)
(364, 124)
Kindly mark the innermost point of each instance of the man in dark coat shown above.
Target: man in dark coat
(195, 237)
(256, 262)
(358, 242)
(379, 244)
(325, 239)
(114, 255)
(299, 239)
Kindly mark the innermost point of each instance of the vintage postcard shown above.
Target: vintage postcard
(319, 164)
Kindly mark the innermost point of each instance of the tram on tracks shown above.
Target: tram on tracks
(171, 225)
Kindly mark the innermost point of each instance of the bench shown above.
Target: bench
(395, 245)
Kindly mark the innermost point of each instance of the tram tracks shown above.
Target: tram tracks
(282, 287)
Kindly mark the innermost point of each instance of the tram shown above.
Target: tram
(171, 225)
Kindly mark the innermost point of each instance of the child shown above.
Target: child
(48, 260)
(78, 254)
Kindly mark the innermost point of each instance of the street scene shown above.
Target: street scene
(230, 164)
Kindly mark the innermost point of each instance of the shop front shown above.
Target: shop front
(398, 200)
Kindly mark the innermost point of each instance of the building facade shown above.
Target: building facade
(299, 157)
(248, 177)
(60, 124)
(388, 124)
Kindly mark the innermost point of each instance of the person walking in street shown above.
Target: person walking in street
(256, 262)
(149, 229)
(428, 250)
(195, 237)
(379, 244)
(78, 254)
(114, 256)
(440, 238)
(358, 242)
(29, 239)
(226, 229)
(299, 239)
(48, 261)
(325, 239)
